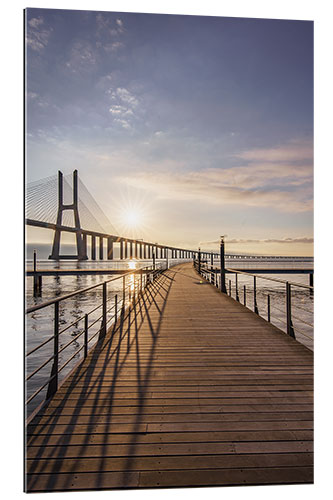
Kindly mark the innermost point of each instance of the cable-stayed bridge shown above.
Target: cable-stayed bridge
(56, 203)
(64, 204)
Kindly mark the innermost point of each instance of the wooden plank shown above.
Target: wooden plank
(182, 434)
(187, 462)
(225, 477)
(135, 448)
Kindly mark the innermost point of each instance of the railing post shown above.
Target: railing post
(268, 308)
(103, 326)
(236, 284)
(85, 335)
(244, 288)
(229, 288)
(199, 262)
(153, 260)
(222, 266)
(115, 308)
(37, 280)
(35, 261)
(53, 384)
(311, 283)
(290, 328)
(255, 306)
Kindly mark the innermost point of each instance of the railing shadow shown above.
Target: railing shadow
(104, 369)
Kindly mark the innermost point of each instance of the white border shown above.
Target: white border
(12, 238)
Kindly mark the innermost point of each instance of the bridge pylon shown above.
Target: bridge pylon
(80, 246)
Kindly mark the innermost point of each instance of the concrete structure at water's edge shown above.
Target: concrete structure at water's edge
(187, 388)
(81, 248)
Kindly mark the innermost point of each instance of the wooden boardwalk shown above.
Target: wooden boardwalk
(192, 390)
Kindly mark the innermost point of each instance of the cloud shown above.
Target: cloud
(113, 47)
(117, 109)
(303, 240)
(35, 22)
(107, 27)
(123, 106)
(125, 96)
(82, 57)
(294, 150)
(273, 240)
(227, 187)
(37, 34)
(284, 185)
(124, 123)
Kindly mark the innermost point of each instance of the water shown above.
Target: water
(40, 324)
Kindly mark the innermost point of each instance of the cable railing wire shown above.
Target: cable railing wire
(233, 289)
(131, 290)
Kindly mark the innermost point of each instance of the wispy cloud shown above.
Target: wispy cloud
(283, 185)
(108, 33)
(82, 57)
(236, 241)
(294, 151)
(33, 97)
(37, 34)
(123, 106)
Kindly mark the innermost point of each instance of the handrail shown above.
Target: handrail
(83, 290)
(139, 285)
(217, 277)
(269, 279)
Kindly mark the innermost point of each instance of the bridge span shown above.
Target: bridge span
(187, 388)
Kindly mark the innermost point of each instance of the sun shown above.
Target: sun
(132, 218)
(132, 213)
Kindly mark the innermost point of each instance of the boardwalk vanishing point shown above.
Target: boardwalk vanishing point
(189, 388)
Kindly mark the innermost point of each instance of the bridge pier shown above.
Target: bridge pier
(110, 248)
(101, 249)
(81, 253)
(93, 247)
(125, 242)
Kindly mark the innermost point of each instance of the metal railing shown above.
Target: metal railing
(287, 316)
(108, 313)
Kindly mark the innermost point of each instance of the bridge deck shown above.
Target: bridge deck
(194, 389)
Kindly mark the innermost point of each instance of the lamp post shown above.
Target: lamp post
(222, 266)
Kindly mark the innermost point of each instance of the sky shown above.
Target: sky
(183, 128)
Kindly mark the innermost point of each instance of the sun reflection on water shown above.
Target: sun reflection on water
(132, 264)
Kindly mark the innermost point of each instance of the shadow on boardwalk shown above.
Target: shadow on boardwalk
(190, 388)
(85, 397)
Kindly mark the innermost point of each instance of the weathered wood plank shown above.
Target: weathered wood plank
(174, 462)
